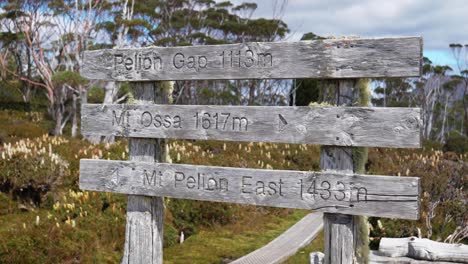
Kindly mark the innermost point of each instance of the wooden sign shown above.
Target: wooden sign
(340, 126)
(383, 196)
(329, 58)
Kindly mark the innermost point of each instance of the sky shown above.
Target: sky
(439, 22)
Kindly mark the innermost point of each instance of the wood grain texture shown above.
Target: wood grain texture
(395, 197)
(376, 258)
(424, 249)
(329, 58)
(145, 215)
(339, 238)
(341, 126)
(316, 257)
(436, 251)
(394, 247)
(340, 230)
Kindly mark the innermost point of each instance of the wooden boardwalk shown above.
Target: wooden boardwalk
(288, 243)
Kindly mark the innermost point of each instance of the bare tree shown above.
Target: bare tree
(460, 53)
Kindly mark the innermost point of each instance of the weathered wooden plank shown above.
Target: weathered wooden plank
(342, 126)
(383, 196)
(339, 239)
(329, 58)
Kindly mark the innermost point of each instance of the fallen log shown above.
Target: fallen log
(394, 247)
(423, 249)
(436, 251)
(375, 258)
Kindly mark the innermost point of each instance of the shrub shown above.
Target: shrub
(443, 191)
(456, 143)
(95, 95)
(82, 227)
(29, 168)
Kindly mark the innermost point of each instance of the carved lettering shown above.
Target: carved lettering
(160, 121)
(121, 120)
(220, 121)
(361, 192)
(245, 184)
(200, 182)
(326, 190)
(138, 62)
(265, 60)
(178, 178)
(263, 188)
(341, 190)
(240, 122)
(245, 59)
(196, 62)
(155, 179)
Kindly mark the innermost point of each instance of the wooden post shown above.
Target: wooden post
(145, 215)
(341, 231)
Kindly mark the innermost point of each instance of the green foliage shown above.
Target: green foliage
(171, 235)
(7, 206)
(68, 77)
(10, 90)
(311, 36)
(398, 92)
(95, 95)
(307, 90)
(431, 145)
(456, 143)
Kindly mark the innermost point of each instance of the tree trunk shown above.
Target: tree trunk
(58, 116)
(57, 112)
(111, 90)
(444, 120)
(74, 115)
(252, 92)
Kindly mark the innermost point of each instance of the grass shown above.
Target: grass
(302, 256)
(16, 125)
(222, 244)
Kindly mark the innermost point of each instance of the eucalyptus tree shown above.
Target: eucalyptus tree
(54, 35)
(460, 54)
(205, 22)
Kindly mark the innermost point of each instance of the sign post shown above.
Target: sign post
(145, 214)
(337, 190)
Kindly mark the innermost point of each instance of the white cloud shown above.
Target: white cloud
(438, 22)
